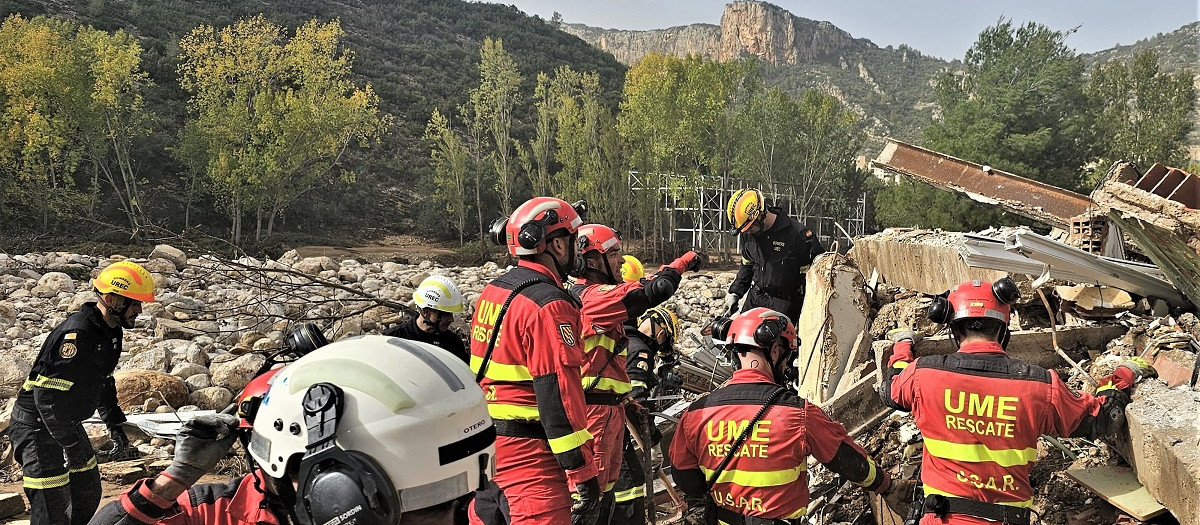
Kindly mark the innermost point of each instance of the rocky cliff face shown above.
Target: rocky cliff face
(747, 28)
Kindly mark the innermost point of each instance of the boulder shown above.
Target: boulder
(233, 372)
(156, 359)
(185, 370)
(58, 282)
(134, 387)
(171, 329)
(13, 372)
(8, 314)
(170, 253)
(212, 398)
(315, 265)
(198, 382)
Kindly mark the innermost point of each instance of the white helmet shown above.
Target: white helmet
(440, 293)
(378, 426)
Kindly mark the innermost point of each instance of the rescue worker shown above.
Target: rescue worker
(438, 299)
(608, 303)
(981, 411)
(776, 252)
(651, 339)
(70, 379)
(742, 450)
(382, 431)
(527, 354)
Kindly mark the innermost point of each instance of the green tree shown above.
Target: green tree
(1140, 113)
(273, 115)
(829, 137)
(494, 101)
(541, 146)
(1017, 105)
(450, 161)
(72, 97)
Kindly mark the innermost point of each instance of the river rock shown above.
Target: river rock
(170, 253)
(156, 359)
(233, 372)
(212, 398)
(185, 370)
(134, 387)
(13, 372)
(197, 382)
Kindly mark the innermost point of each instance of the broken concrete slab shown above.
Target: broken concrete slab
(1175, 367)
(11, 504)
(859, 406)
(830, 325)
(1163, 445)
(1031, 346)
(1026, 197)
(1159, 211)
(1094, 302)
(1119, 486)
(924, 261)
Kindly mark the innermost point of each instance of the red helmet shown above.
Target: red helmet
(252, 396)
(526, 230)
(597, 238)
(976, 300)
(759, 328)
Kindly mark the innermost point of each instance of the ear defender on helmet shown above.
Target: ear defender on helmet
(768, 332)
(304, 339)
(720, 328)
(496, 232)
(940, 311)
(1006, 291)
(534, 232)
(336, 485)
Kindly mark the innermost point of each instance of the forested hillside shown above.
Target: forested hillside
(417, 55)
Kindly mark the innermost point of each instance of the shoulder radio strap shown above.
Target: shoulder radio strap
(487, 356)
(742, 438)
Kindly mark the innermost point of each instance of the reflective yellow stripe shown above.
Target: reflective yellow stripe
(900, 365)
(570, 441)
(91, 464)
(48, 382)
(631, 494)
(749, 478)
(1107, 386)
(502, 372)
(603, 341)
(499, 411)
(46, 483)
(975, 453)
(608, 384)
(871, 473)
(639, 383)
(930, 490)
(610, 486)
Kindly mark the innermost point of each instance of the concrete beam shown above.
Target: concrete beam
(830, 325)
(1026, 197)
(1163, 445)
(919, 260)
(859, 406)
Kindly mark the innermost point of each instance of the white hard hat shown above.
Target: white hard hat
(398, 421)
(440, 293)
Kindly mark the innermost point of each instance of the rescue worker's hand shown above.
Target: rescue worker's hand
(900, 496)
(1140, 368)
(903, 333)
(731, 301)
(202, 442)
(79, 454)
(635, 413)
(120, 442)
(589, 496)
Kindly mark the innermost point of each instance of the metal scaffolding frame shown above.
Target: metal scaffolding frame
(697, 214)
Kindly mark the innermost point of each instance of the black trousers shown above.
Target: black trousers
(789, 307)
(629, 494)
(57, 494)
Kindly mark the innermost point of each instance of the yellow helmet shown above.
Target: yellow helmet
(744, 209)
(632, 269)
(665, 318)
(127, 279)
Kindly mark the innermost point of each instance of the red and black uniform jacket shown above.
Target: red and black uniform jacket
(768, 476)
(533, 375)
(72, 375)
(606, 309)
(238, 502)
(981, 413)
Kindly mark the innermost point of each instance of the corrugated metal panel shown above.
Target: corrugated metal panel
(1029, 198)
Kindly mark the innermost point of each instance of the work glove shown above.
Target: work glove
(79, 454)
(120, 442)
(900, 496)
(731, 302)
(903, 333)
(635, 413)
(1140, 368)
(202, 442)
(686, 262)
(589, 497)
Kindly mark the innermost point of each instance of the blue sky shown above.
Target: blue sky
(942, 28)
